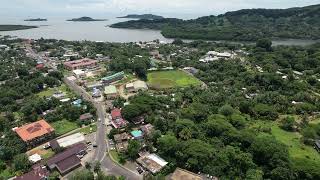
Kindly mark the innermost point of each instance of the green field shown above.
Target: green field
(64, 126)
(115, 155)
(301, 155)
(170, 79)
(88, 129)
(50, 91)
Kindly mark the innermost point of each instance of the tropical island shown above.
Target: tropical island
(85, 18)
(15, 27)
(242, 25)
(36, 19)
(142, 16)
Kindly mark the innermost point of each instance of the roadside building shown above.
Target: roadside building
(40, 66)
(152, 162)
(67, 141)
(182, 174)
(111, 92)
(113, 78)
(80, 64)
(77, 103)
(86, 118)
(92, 85)
(37, 173)
(122, 142)
(67, 160)
(137, 86)
(116, 119)
(35, 133)
(78, 73)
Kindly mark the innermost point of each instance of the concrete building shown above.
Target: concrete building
(152, 162)
(182, 174)
(35, 133)
(69, 140)
(80, 64)
(111, 92)
(78, 73)
(136, 86)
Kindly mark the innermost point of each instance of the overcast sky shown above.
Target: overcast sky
(162, 7)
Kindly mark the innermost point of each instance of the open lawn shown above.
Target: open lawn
(88, 129)
(50, 91)
(115, 155)
(64, 126)
(301, 155)
(170, 79)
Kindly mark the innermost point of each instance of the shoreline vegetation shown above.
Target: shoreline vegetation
(242, 25)
(15, 27)
(36, 19)
(142, 16)
(85, 19)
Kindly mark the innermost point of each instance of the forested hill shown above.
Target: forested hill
(243, 25)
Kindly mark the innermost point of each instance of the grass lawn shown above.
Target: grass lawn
(50, 91)
(64, 126)
(170, 79)
(89, 129)
(6, 174)
(302, 156)
(115, 155)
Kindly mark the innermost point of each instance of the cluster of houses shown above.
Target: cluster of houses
(215, 56)
(71, 149)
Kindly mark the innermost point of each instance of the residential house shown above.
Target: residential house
(79, 73)
(111, 92)
(116, 119)
(35, 133)
(122, 141)
(86, 118)
(147, 129)
(67, 160)
(37, 173)
(191, 70)
(152, 162)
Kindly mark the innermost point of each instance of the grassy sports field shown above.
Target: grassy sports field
(170, 79)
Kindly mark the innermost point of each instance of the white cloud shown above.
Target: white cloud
(144, 6)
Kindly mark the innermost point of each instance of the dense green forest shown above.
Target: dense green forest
(242, 25)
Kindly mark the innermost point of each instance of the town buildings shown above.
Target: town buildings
(152, 162)
(80, 64)
(35, 133)
(116, 119)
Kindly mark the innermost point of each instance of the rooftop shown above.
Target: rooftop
(152, 162)
(182, 174)
(38, 173)
(110, 89)
(86, 116)
(34, 130)
(71, 140)
(80, 62)
(115, 113)
(113, 76)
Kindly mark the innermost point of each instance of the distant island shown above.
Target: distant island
(15, 27)
(36, 19)
(242, 25)
(142, 16)
(86, 19)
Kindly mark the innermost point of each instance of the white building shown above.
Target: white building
(79, 73)
(71, 140)
(137, 86)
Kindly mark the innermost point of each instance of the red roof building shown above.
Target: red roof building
(116, 113)
(40, 66)
(35, 133)
(80, 64)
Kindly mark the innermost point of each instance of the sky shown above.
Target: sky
(167, 8)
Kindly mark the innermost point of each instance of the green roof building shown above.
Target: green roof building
(113, 78)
